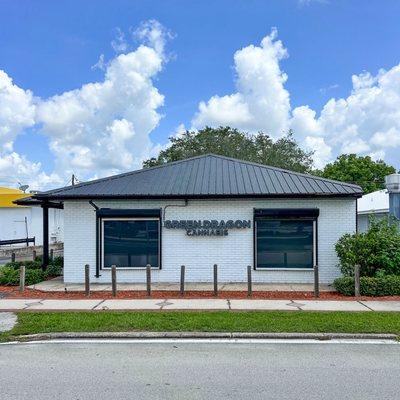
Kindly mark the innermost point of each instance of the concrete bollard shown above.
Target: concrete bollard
(12, 257)
(34, 255)
(215, 280)
(87, 280)
(148, 279)
(357, 280)
(249, 282)
(316, 281)
(22, 278)
(114, 280)
(51, 254)
(182, 288)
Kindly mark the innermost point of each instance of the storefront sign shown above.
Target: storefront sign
(207, 227)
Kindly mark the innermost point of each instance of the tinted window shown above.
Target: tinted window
(284, 243)
(130, 243)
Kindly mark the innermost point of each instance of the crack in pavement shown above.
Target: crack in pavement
(360, 302)
(164, 303)
(33, 303)
(296, 305)
(101, 302)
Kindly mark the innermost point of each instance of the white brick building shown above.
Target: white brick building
(203, 211)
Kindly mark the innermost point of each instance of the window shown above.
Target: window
(285, 238)
(131, 242)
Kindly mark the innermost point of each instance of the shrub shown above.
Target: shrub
(388, 285)
(54, 270)
(377, 250)
(33, 276)
(9, 273)
(28, 264)
(344, 285)
(9, 276)
(59, 261)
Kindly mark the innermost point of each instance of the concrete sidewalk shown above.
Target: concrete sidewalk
(196, 304)
(57, 285)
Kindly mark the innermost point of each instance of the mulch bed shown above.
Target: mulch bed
(12, 292)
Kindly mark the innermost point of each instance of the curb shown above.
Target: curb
(203, 335)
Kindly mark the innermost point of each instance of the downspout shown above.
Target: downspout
(93, 205)
(174, 205)
(96, 208)
(356, 215)
(45, 260)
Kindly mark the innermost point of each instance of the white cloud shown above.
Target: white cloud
(377, 155)
(17, 111)
(86, 126)
(389, 138)
(329, 88)
(153, 34)
(101, 64)
(322, 152)
(179, 131)
(119, 44)
(304, 121)
(103, 127)
(99, 129)
(357, 145)
(15, 168)
(367, 121)
(261, 102)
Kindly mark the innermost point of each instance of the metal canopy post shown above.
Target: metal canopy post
(45, 261)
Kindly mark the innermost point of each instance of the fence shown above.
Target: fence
(148, 280)
(17, 241)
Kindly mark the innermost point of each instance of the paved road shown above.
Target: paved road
(4, 260)
(198, 370)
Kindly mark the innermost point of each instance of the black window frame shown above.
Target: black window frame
(121, 214)
(288, 214)
(130, 219)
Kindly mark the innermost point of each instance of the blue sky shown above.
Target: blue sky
(49, 48)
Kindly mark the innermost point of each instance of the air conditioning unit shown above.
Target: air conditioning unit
(393, 183)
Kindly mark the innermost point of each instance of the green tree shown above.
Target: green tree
(230, 142)
(363, 171)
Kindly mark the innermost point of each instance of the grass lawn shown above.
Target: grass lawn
(218, 321)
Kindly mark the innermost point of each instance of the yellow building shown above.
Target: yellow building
(7, 196)
(19, 222)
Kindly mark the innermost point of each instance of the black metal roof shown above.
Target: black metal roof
(208, 176)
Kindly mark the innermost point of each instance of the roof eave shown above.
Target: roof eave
(204, 196)
(374, 211)
(34, 201)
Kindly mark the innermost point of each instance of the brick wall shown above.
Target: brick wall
(232, 253)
